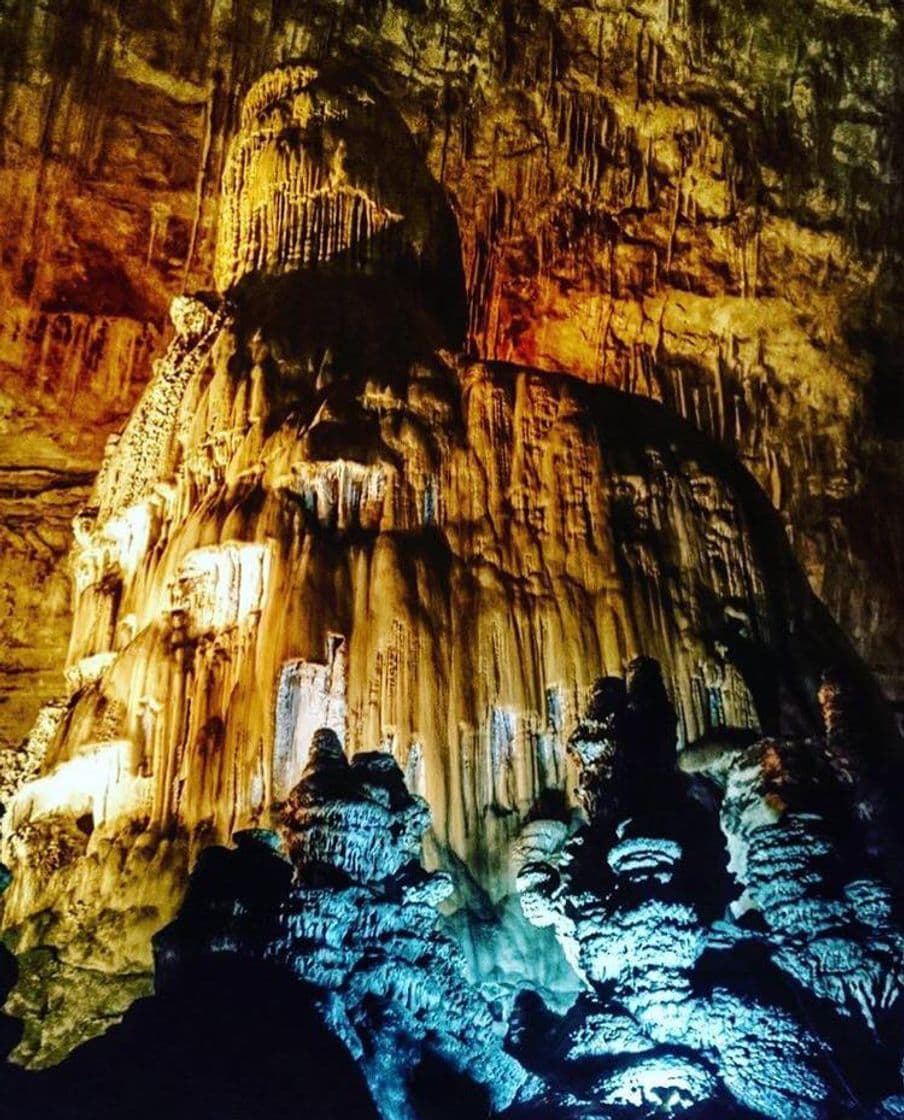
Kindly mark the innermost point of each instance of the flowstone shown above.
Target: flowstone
(325, 511)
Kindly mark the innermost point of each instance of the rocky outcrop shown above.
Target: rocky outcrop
(792, 831)
(331, 928)
(233, 1038)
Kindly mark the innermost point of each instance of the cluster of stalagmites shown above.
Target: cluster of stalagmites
(766, 982)
(793, 1009)
(354, 915)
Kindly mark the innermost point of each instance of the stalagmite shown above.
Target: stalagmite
(357, 920)
(661, 1030)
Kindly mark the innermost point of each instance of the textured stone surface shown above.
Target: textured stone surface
(326, 939)
(359, 924)
(694, 201)
(331, 516)
(671, 1021)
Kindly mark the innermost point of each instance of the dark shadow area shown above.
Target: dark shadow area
(235, 1040)
(420, 252)
(804, 640)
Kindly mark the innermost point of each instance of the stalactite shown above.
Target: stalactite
(280, 210)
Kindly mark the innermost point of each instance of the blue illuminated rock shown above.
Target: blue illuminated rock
(831, 928)
(355, 917)
(623, 907)
(782, 1003)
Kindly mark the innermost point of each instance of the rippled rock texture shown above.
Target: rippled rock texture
(323, 942)
(358, 922)
(320, 515)
(795, 1011)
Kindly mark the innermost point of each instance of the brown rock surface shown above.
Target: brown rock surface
(319, 515)
(696, 201)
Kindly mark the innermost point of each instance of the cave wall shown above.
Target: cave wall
(698, 202)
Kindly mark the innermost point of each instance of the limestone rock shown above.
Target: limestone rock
(322, 511)
(692, 201)
(834, 931)
(672, 1023)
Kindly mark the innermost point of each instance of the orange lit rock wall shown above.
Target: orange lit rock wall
(320, 513)
(691, 200)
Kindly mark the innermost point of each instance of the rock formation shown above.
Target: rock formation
(324, 940)
(680, 1012)
(320, 514)
(443, 658)
(229, 1037)
(792, 831)
(697, 201)
(357, 921)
